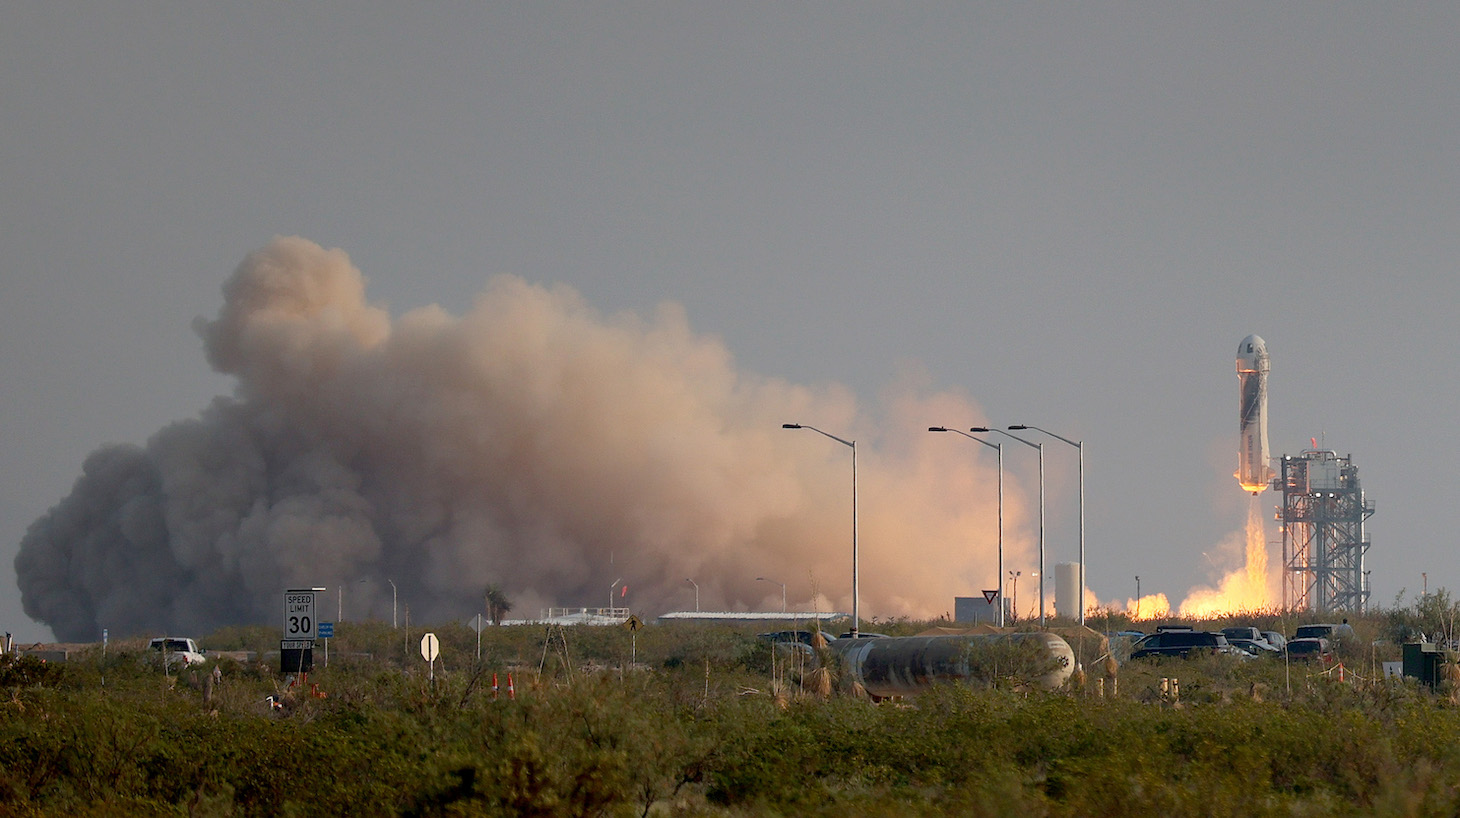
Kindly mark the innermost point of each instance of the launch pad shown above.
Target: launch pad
(1324, 542)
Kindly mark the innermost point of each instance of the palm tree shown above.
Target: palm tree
(497, 603)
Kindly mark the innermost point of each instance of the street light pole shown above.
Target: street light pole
(340, 603)
(1080, 448)
(697, 593)
(392, 603)
(1039, 447)
(856, 599)
(999, 450)
(783, 590)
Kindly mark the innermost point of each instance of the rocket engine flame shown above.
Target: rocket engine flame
(1149, 606)
(1249, 588)
(529, 443)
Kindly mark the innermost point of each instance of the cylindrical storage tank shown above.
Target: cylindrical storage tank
(1067, 590)
(904, 666)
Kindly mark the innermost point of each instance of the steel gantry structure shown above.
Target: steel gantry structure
(1324, 542)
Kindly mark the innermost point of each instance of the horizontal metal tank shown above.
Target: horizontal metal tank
(905, 666)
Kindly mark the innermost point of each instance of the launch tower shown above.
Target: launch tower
(1324, 542)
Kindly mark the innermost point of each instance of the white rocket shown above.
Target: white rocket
(1253, 471)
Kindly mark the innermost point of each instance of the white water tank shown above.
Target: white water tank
(1067, 590)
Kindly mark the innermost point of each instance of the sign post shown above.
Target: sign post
(477, 623)
(301, 628)
(326, 630)
(633, 623)
(430, 649)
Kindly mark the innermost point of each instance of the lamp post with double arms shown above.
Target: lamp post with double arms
(1039, 447)
(1080, 448)
(853, 445)
(999, 450)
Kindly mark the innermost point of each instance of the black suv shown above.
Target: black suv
(1309, 647)
(1181, 643)
(1332, 633)
(1318, 640)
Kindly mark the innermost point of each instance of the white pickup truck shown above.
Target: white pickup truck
(177, 650)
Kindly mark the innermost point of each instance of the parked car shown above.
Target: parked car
(177, 650)
(1127, 638)
(1333, 633)
(1121, 643)
(795, 642)
(805, 639)
(1275, 639)
(1256, 647)
(1182, 643)
(1244, 632)
(1308, 648)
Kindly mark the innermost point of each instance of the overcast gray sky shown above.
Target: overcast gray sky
(1071, 215)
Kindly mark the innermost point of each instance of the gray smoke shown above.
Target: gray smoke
(532, 443)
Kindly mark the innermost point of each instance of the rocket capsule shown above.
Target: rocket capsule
(1253, 471)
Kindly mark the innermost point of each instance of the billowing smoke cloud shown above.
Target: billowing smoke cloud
(531, 443)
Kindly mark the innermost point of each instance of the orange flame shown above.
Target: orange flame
(1149, 606)
(1253, 487)
(1245, 589)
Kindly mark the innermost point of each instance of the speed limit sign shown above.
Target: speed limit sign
(299, 620)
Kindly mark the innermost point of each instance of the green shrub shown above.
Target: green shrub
(692, 728)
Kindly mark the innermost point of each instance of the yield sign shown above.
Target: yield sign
(990, 596)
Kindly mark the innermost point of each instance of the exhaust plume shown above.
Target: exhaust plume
(1249, 589)
(532, 444)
